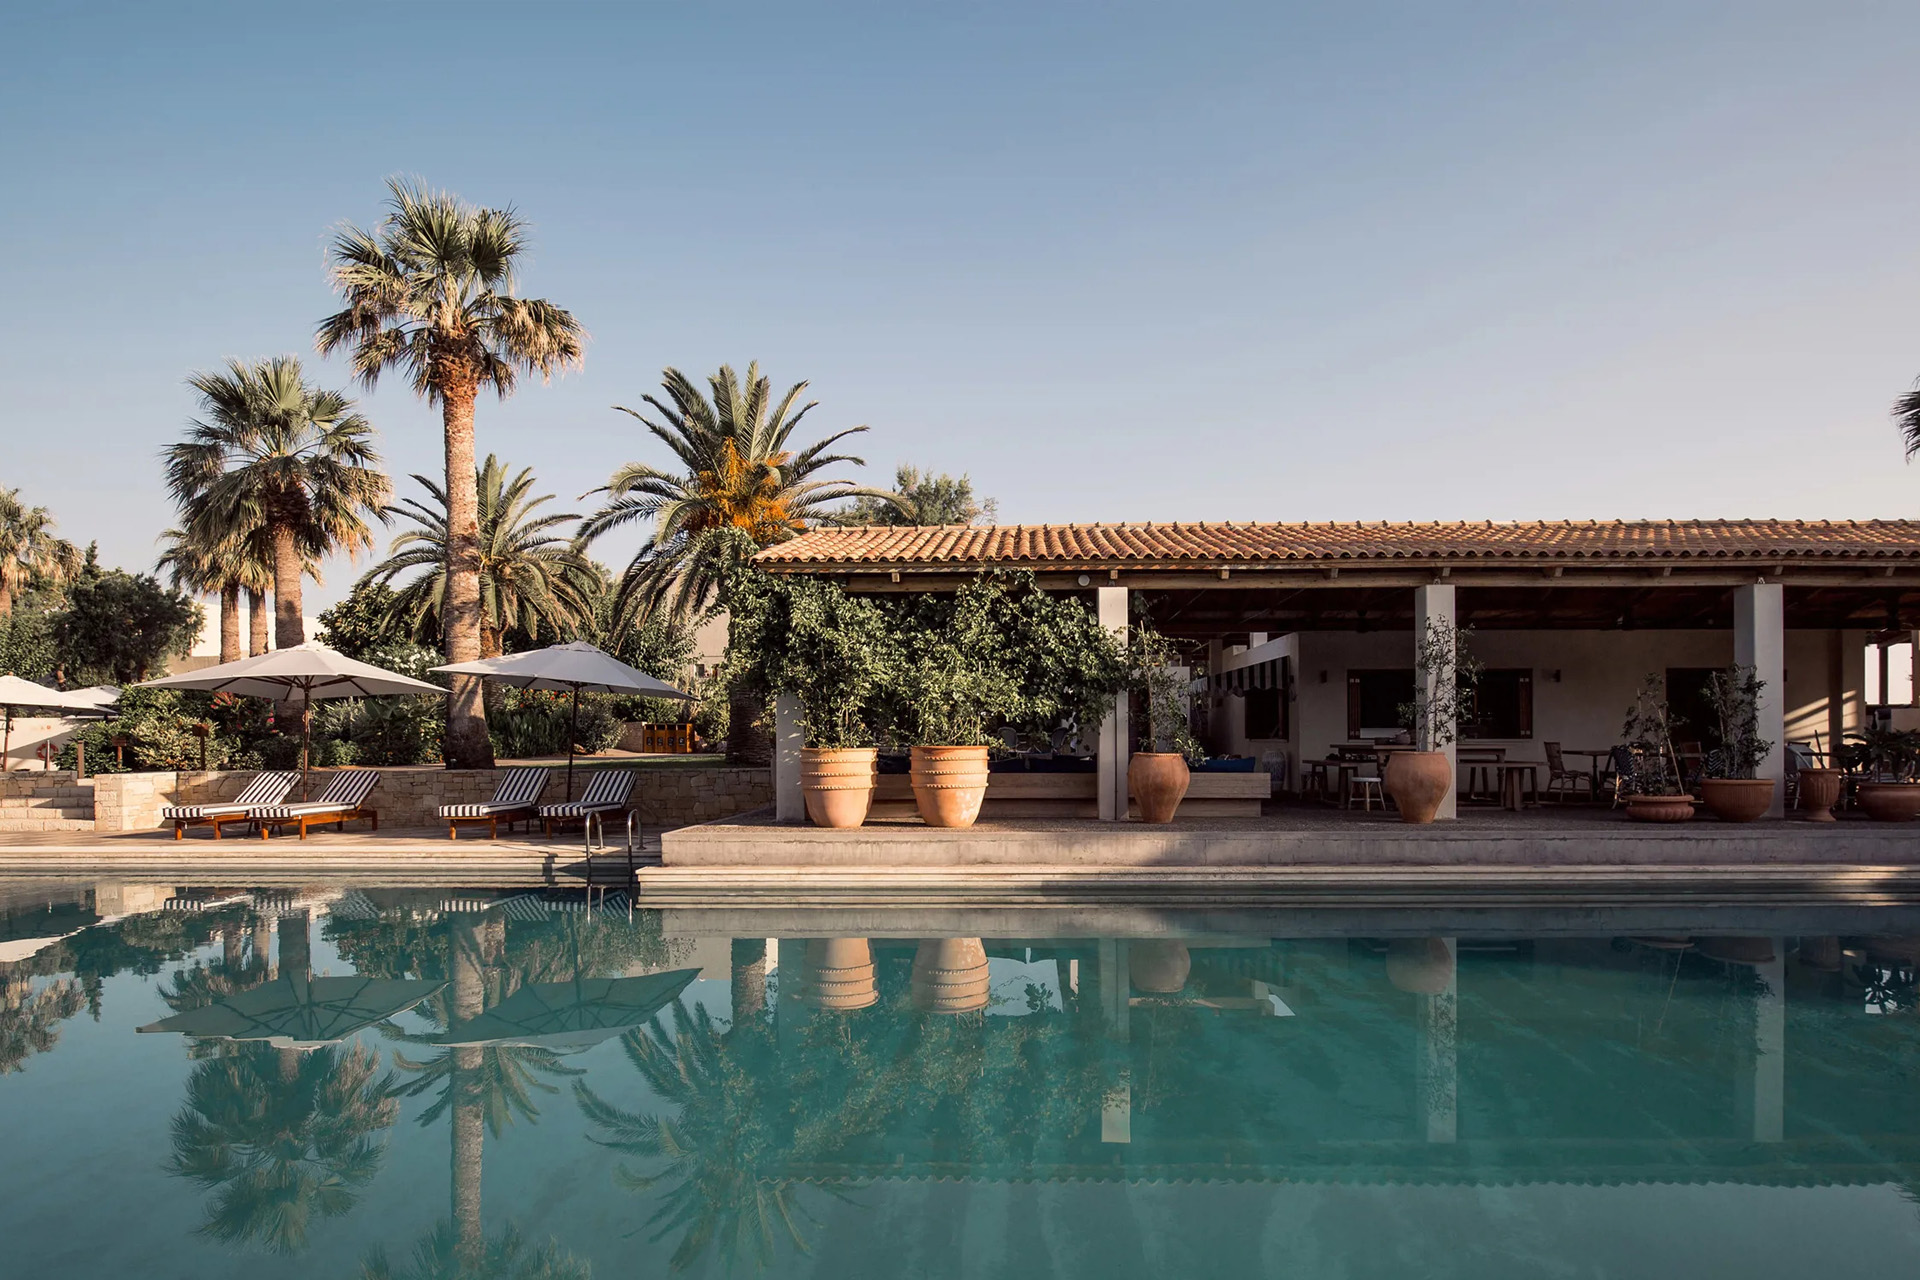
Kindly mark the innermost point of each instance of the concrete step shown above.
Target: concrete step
(57, 820)
(27, 804)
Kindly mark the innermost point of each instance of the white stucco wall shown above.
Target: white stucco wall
(1599, 672)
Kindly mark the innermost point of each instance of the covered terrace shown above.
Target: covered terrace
(1306, 630)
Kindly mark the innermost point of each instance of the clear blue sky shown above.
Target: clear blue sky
(1156, 262)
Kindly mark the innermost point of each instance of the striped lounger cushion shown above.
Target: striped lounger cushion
(266, 788)
(517, 789)
(347, 791)
(608, 790)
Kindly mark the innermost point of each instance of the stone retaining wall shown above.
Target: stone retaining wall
(411, 797)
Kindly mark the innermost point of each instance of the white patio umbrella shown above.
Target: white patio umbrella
(564, 667)
(296, 1011)
(310, 670)
(24, 695)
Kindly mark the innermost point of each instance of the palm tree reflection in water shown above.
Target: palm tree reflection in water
(281, 1136)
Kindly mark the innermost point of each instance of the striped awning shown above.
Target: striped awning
(1274, 673)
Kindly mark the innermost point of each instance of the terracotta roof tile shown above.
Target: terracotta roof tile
(1209, 545)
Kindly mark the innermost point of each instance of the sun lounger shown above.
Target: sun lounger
(266, 788)
(514, 799)
(607, 793)
(344, 800)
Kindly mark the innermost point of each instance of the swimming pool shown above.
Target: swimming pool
(342, 1082)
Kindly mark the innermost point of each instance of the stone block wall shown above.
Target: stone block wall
(24, 783)
(131, 801)
(680, 797)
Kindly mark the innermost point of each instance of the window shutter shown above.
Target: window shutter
(1353, 706)
(1526, 704)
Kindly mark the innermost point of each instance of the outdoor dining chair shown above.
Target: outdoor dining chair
(266, 788)
(1562, 781)
(344, 800)
(515, 798)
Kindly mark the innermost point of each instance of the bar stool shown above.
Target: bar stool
(1365, 787)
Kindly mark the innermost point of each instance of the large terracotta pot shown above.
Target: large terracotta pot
(1421, 966)
(838, 784)
(1737, 799)
(950, 975)
(1660, 808)
(1819, 792)
(1890, 801)
(1159, 968)
(1418, 781)
(1158, 781)
(948, 784)
(840, 974)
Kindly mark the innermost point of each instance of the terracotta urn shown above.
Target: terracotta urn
(837, 783)
(1158, 781)
(950, 975)
(1159, 967)
(948, 784)
(1420, 966)
(1660, 808)
(1819, 792)
(1890, 801)
(840, 974)
(1418, 781)
(1737, 799)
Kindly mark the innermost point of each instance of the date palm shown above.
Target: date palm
(739, 486)
(430, 292)
(274, 454)
(222, 569)
(532, 578)
(28, 548)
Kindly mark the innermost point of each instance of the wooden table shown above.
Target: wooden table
(1513, 793)
(1476, 760)
(1593, 770)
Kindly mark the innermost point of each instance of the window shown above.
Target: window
(1374, 699)
(1500, 706)
(1266, 713)
(1693, 719)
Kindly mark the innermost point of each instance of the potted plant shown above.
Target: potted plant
(1890, 757)
(1727, 786)
(1656, 795)
(954, 687)
(1159, 772)
(1443, 673)
(832, 653)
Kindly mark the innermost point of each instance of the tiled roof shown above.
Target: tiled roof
(1181, 546)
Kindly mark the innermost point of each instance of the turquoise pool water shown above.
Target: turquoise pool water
(528, 1085)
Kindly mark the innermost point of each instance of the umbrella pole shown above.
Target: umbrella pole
(6, 744)
(573, 724)
(306, 736)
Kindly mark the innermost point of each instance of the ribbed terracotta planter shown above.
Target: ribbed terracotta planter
(1660, 808)
(1158, 967)
(950, 975)
(1891, 801)
(1819, 792)
(1158, 781)
(1418, 781)
(948, 784)
(1420, 966)
(1737, 799)
(838, 784)
(840, 974)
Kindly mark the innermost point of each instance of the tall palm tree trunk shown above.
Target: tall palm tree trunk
(6, 596)
(467, 745)
(230, 622)
(289, 629)
(256, 623)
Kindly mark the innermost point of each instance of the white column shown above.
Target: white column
(1111, 603)
(1913, 656)
(1116, 1009)
(788, 738)
(1760, 642)
(1431, 603)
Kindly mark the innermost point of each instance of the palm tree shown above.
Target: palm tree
(1906, 416)
(504, 1255)
(276, 455)
(431, 292)
(28, 548)
(531, 578)
(740, 488)
(217, 569)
